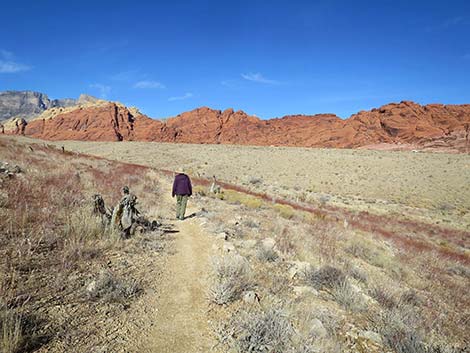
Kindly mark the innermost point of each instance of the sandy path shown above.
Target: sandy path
(180, 323)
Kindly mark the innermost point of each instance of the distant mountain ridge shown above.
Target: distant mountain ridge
(29, 104)
(404, 125)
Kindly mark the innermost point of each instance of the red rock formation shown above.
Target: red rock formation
(403, 123)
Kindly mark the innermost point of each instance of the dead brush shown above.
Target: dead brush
(82, 237)
(230, 278)
(263, 330)
(401, 330)
(326, 238)
(110, 288)
(266, 253)
(285, 242)
(384, 296)
(326, 277)
(344, 294)
(10, 330)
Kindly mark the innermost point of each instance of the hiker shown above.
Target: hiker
(182, 189)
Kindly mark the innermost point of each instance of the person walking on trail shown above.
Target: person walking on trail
(182, 189)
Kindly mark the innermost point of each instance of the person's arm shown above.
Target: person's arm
(190, 187)
(173, 192)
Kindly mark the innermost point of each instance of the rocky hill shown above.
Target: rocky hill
(28, 104)
(396, 125)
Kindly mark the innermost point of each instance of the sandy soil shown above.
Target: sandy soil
(180, 320)
(172, 314)
(430, 187)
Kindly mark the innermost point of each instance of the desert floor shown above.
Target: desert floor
(430, 187)
(361, 251)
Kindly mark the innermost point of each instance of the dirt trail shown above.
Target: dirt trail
(180, 323)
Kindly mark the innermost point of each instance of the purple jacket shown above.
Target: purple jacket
(182, 185)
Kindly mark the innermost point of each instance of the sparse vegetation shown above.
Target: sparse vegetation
(10, 329)
(108, 287)
(266, 253)
(231, 277)
(52, 242)
(327, 277)
(243, 199)
(258, 330)
(285, 211)
(285, 278)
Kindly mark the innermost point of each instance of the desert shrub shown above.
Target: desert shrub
(410, 297)
(250, 223)
(241, 198)
(81, 224)
(285, 211)
(330, 321)
(109, 288)
(346, 296)
(357, 273)
(231, 277)
(263, 330)
(459, 270)
(359, 250)
(400, 331)
(384, 296)
(325, 277)
(327, 238)
(266, 253)
(199, 190)
(255, 181)
(285, 242)
(10, 330)
(3, 198)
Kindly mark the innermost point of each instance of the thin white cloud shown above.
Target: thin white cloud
(149, 84)
(6, 55)
(259, 78)
(180, 98)
(129, 75)
(447, 23)
(104, 90)
(8, 65)
(229, 83)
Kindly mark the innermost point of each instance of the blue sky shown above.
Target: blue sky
(268, 58)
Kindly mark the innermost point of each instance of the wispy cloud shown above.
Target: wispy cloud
(8, 64)
(128, 75)
(447, 23)
(103, 90)
(180, 98)
(149, 84)
(229, 83)
(257, 77)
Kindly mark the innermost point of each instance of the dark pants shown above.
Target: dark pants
(181, 201)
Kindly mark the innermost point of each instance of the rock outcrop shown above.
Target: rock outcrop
(28, 104)
(406, 124)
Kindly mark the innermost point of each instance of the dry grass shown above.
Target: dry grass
(231, 277)
(111, 288)
(285, 211)
(373, 181)
(260, 330)
(50, 235)
(11, 330)
(416, 298)
(241, 198)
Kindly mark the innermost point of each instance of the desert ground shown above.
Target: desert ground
(432, 187)
(303, 250)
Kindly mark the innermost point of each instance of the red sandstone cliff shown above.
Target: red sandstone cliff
(397, 123)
